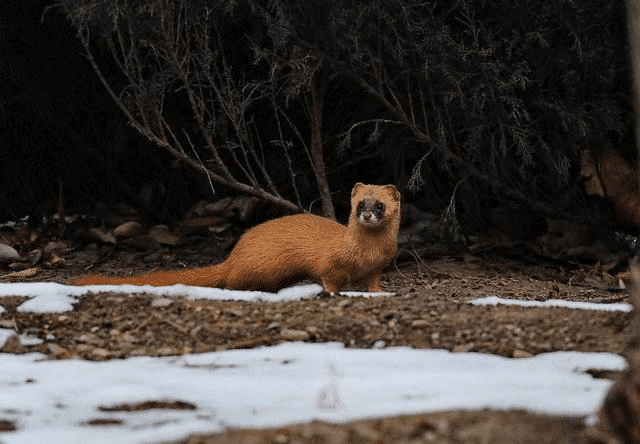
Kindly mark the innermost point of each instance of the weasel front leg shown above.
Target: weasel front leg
(373, 284)
(334, 283)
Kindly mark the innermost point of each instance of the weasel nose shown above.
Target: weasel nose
(366, 215)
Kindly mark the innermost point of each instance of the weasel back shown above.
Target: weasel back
(282, 251)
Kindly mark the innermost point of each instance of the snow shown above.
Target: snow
(54, 401)
(288, 383)
(559, 303)
(49, 297)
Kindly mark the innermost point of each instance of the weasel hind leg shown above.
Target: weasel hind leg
(373, 283)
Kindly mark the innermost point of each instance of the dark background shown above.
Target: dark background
(503, 96)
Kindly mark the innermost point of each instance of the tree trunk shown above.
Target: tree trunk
(633, 23)
(315, 108)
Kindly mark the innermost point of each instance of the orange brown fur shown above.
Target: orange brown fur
(283, 251)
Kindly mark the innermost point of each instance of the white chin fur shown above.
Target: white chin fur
(373, 222)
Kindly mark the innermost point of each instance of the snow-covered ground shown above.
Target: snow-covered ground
(54, 401)
(550, 303)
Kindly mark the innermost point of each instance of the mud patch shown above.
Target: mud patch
(7, 426)
(150, 405)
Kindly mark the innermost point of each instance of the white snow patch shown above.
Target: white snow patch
(52, 401)
(559, 303)
(49, 297)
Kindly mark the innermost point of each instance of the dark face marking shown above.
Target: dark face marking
(370, 211)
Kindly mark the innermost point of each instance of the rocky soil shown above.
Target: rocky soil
(430, 310)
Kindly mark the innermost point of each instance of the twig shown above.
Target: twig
(170, 322)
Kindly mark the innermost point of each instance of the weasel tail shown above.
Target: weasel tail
(212, 276)
(282, 251)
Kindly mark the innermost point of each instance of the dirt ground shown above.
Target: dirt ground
(430, 310)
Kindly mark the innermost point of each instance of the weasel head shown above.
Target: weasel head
(374, 206)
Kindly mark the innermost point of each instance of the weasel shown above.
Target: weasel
(283, 251)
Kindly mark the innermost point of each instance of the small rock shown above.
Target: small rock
(163, 235)
(19, 266)
(100, 354)
(156, 256)
(203, 225)
(161, 302)
(99, 236)
(281, 438)
(235, 312)
(6, 323)
(366, 433)
(127, 230)
(55, 248)
(239, 208)
(9, 254)
(12, 345)
(294, 335)
(59, 352)
(312, 330)
(463, 348)
(166, 351)
(519, 354)
(273, 326)
(88, 338)
(420, 323)
(138, 352)
(84, 348)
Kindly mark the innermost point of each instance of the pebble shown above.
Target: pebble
(420, 323)
(313, 330)
(9, 254)
(463, 348)
(12, 345)
(127, 230)
(100, 354)
(165, 236)
(294, 335)
(161, 302)
(519, 354)
(59, 352)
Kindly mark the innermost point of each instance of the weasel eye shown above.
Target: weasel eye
(379, 206)
(361, 206)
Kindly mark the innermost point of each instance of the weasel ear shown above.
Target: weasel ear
(355, 188)
(394, 191)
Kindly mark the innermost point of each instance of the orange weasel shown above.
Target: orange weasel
(282, 251)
